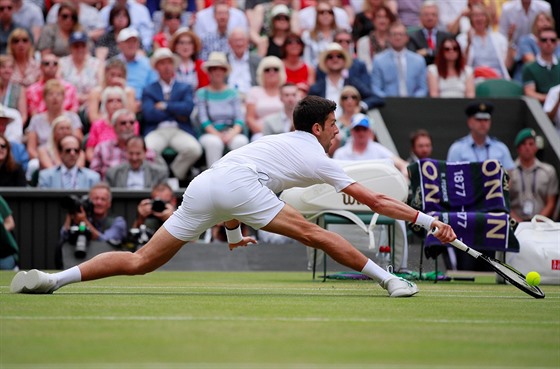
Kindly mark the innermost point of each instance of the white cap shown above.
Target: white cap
(127, 33)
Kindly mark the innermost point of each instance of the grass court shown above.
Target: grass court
(270, 320)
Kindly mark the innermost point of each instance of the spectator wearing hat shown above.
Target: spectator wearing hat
(187, 45)
(533, 184)
(55, 36)
(187, 17)
(271, 24)
(333, 62)
(398, 71)
(81, 69)
(478, 146)
(219, 111)
(88, 17)
(167, 106)
(243, 64)
(363, 146)
(140, 19)
(139, 73)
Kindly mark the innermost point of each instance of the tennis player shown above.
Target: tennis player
(241, 188)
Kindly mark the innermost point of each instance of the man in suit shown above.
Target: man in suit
(136, 173)
(167, 106)
(243, 64)
(333, 61)
(398, 71)
(427, 40)
(68, 175)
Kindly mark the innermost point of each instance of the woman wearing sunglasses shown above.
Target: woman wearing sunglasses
(26, 67)
(449, 76)
(55, 37)
(171, 23)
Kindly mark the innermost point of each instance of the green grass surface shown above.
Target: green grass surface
(276, 320)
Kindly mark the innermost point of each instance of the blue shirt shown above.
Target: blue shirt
(465, 149)
(139, 74)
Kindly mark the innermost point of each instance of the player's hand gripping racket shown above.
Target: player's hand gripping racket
(507, 272)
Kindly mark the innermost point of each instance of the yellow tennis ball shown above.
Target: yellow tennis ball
(533, 278)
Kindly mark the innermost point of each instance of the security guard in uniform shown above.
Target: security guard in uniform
(478, 146)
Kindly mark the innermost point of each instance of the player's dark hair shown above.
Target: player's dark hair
(311, 110)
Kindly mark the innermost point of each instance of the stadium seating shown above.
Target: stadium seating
(498, 88)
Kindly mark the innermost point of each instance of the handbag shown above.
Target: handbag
(539, 249)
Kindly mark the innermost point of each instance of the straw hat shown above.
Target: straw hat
(333, 48)
(161, 54)
(216, 59)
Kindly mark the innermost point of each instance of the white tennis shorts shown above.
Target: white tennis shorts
(220, 194)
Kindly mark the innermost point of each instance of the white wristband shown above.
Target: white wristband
(424, 220)
(234, 235)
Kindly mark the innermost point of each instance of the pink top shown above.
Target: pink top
(101, 131)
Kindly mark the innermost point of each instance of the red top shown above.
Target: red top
(298, 75)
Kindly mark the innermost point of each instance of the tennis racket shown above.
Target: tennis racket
(507, 272)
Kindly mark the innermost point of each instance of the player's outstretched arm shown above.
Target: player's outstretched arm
(234, 236)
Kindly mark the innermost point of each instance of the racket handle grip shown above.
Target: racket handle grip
(457, 243)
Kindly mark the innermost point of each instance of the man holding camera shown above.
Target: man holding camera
(94, 215)
(153, 212)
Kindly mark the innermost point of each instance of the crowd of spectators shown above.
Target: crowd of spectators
(193, 79)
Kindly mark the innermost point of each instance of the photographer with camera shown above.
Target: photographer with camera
(89, 219)
(153, 212)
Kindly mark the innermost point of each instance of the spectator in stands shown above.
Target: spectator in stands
(264, 100)
(106, 46)
(206, 22)
(48, 154)
(333, 62)
(8, 246)
(171, 23)
(358, 69)
(544, 73)
(368, 46)
(477, 146)
(167, 105)
(243, 63)
(26, 68)
(114, 76)
(449, 76)
(35, 95)
(364, 22)
(102, 225)
(112, 100)
(139, 73)
(398, 71)
(517, 17)
(18, 151)
(136, 173)
(297, 70)
(219, 111)
(186, 45)
(68, 175)
(408, 12)
(88, 18)
(420, 145)
(187, 17)
(7, 24)
(40, 129)
(427, 40)
(12, 124)
(318, 38)
(270, 42)
(454, 14)
(283, 120)
(29, 14)
(12, 95)
(363, 146)
(350, 100)
(81, 69)
(140, 20)
(486, 51)
(112, 152)
(216, 40)
(11, 173)
(55, 36)
(528, 47)
(552, 106)
(533, 184)
(151, 218)
(310, 16)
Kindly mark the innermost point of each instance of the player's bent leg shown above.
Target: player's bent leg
(159, 250)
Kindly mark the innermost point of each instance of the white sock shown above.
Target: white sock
(68, 276)
(374, 271)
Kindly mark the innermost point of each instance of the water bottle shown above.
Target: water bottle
(81, 242)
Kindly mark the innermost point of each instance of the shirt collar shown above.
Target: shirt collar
(543, 63)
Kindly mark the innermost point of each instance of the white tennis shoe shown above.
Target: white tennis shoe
(33, 281)
(399, 287)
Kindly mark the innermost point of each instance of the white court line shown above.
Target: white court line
(187, 318)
